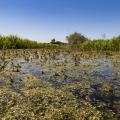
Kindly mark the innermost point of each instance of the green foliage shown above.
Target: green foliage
(53, 41)
(76, 39)
(14, 42)
(102, 45)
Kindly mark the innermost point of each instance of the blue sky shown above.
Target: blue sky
(42, 20)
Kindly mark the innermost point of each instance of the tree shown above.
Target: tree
(53, 41)
(76, 39)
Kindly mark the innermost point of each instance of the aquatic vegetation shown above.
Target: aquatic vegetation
(3, 60)
(106, 88)
(45, 103)
(49, 86)
(33, 82)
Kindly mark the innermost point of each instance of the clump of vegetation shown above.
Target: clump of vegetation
(53, 41)
(76, 39)
(44, 103)
(15, 68)
(3, 60)
(32, 82)
(106, 88)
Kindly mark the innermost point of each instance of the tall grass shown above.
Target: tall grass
(15, 42)
(102, 45)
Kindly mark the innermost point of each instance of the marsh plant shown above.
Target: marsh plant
(3, 59)
(15, 68)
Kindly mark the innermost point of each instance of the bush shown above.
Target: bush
(76, 39)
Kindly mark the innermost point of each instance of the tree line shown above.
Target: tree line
(75, 40)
